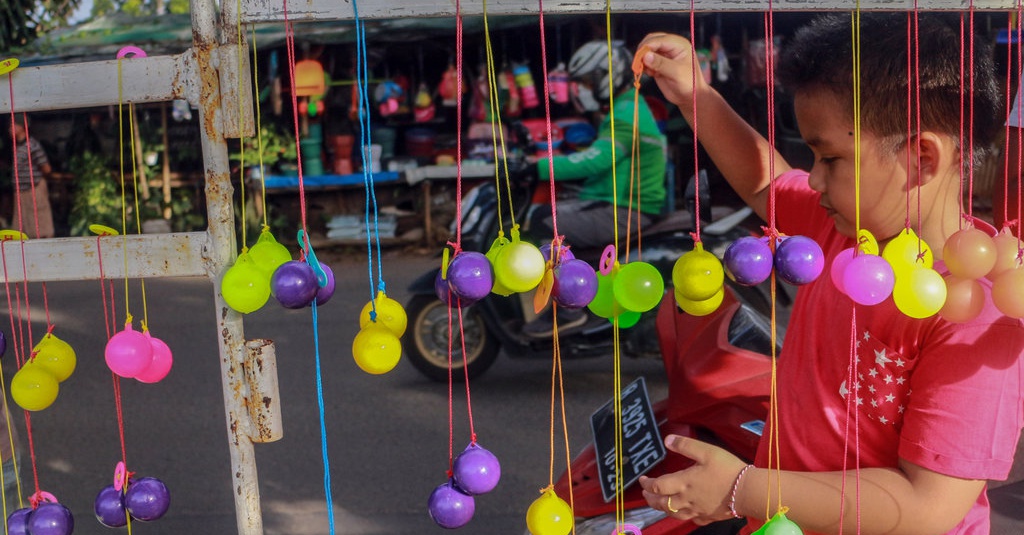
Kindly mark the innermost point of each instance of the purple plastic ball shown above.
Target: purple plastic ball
(294, 284)
(51, 519)
(748, 261)
(17, 522)
(470, 276)
(324, 293)
(109, 507)
(546, 251)
(443, 291)
(575, 284)
(147, 499)
(799, 260)
(476, 470)
(3, 343)
(449, 507)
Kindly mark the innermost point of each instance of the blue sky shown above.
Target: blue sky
(82, 12)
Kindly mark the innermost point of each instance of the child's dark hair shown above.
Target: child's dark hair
(820, 57)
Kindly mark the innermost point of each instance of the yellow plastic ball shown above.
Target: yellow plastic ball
(519, 266)
(919, 293)
(33, 387)
(549, 515)
(698, 274)
(492, 254)
(245, 287)
(376, 349)
(390, 314)
(55, 355)
(268, 254)
(700, 308)
(902, 251)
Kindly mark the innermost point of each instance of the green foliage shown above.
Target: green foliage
(96, 198)
(21, 21)
(278, 145)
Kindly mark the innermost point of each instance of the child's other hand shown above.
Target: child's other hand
(670, 60)
(700, 493)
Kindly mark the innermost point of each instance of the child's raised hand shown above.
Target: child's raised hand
(670, 60)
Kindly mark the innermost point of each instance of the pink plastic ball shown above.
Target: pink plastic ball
(964, 299)
(869, 279)
(969, 253)
(1008, 293)
(838, 269)
(161, 363)
(128, 352)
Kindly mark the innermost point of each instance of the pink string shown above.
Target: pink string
(970, 174)
(289, 40)
(458, 129)
(547, 125)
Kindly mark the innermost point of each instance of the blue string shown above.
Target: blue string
(323, 421)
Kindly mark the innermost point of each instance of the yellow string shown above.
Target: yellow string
(856, 116)
(138, 214)
(241, 131)
(124, 202)
(259, 129)
(611, 118)
(497, 132)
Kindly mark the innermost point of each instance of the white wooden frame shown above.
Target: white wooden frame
(206, 77)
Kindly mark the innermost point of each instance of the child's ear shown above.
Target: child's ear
(937, 157)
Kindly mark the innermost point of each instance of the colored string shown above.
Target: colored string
(289, 41)
(910, 118)
(323, 418)
(124, 195)
(458, 128)
(241, 130)
(917, 113)
(1020, 137)
(451, 386)
(138, 220)
(963, 40)
(856, 119)
(970, 114)
(547, 125)
(259, 132)
(497, 130)
(465, 370)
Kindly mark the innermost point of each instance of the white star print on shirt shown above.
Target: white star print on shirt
(881, 359)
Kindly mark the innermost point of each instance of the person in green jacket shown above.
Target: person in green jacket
(587, 220)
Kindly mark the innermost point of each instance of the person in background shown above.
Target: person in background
(32, 212)
(1006, 192)
(587, 220)
(934, 406)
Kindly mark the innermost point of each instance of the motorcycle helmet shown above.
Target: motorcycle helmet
(589, 67)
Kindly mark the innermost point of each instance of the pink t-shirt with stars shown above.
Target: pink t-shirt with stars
(944, 396)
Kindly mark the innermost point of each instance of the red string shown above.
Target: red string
(547, 121)
(962, 114)
(970, 174)
(451, 388)
(458, 129)
(465, 370)
(289, 40)
(1020, 129)
(1006, 140)
(695, 67)
(110, 322)
(35, 215)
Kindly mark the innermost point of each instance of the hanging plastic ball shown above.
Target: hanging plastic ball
(604, 304)
(838, 269)
(268, 254)
(492, 254)
(294, 284)
(1008, 247)
(449, 507)
(147, 499)
(390, 314)
(638, 286)
(519, 266)
(128, 352)
(443, 291)
(780, 525)
(869, 279)
(161, 363)
(965, 298)
(470, 276)
(476, 470)
(902, 252)
(33, 387)
(17, 522)
(244, 286)
(700, 308)
(969, 253)
(376, 349)
(549, 515)
(627, 319)
(3, 343)
(919, 293)
(575, 283)
(698, 274)
(109, 507)
(799, 260)
(51, 519)
(564, 253)
(55, 355)
(748, 261)
(326, 292)
(1008, 292)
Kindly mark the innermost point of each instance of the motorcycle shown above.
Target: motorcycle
(719, 370)
(495, 322)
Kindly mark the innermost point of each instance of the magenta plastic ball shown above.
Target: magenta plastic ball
(575, 284)
(546, 251)
(470, 275)
(799, 260)
(476, 470)
(147, 499)
(449, 507)
(748, 261)
(869, 279)
(128, 353)
(294, 284)
(17, 522)
(51, 519)
(838, 269)
(161, 363)
(109, 507)
(325, 292)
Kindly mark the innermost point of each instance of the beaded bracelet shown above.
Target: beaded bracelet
(735, 487)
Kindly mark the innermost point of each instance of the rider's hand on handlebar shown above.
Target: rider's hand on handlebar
(670, 60)
(701, 492)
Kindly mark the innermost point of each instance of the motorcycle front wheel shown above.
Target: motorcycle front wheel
(426, 340)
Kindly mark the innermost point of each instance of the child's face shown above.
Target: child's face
(18, 131)
(829, 132)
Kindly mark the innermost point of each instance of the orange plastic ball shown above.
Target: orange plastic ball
(969, 253)
(1007, 248)
(964, 299)
(1008, 293)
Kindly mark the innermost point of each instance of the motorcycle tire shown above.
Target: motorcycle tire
(426, 340)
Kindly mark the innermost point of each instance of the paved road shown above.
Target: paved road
(387, 435)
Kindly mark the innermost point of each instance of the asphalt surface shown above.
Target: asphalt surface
(387, 435)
